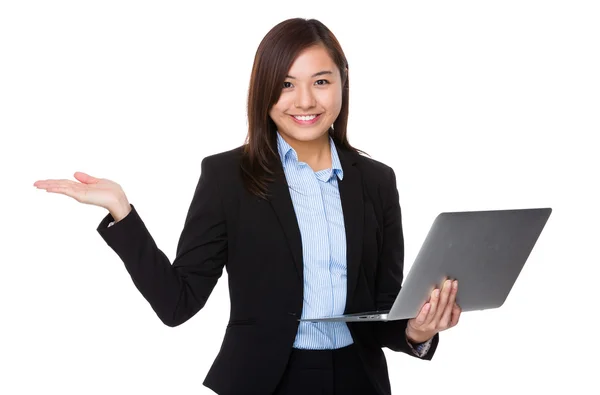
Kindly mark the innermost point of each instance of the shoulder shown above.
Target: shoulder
(378, 178)
(223, 162)
(373, 166)
(225, 157)
(375, 172)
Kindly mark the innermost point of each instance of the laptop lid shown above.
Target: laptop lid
(484, 250)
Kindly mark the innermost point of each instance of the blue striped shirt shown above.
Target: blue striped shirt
(316, 200)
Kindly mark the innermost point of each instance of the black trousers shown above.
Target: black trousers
(325, 372)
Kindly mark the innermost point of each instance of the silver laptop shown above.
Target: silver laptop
(484, 250)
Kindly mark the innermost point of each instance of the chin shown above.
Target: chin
(306, 135)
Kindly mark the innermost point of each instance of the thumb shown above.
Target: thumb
(85, 178)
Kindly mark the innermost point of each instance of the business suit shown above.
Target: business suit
(259, 243)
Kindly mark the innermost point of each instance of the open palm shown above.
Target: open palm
(87, 189)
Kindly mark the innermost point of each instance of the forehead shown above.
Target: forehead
(312, 60)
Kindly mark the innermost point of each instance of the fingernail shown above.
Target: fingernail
(455, 284)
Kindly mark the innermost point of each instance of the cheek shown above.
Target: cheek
(338, 104)
(279, 109)
(331, 98)
(334, 104)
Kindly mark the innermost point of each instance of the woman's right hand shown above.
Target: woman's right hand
(91, 190)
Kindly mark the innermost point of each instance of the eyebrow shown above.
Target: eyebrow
(324, 72)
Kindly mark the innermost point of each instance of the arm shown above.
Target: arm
(391, 334)
(175, 292)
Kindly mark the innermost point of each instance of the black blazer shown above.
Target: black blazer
(258, 242)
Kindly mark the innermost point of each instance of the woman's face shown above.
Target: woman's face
(311, 97)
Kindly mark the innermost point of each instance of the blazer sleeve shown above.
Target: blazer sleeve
(176, 291)
(391, 334)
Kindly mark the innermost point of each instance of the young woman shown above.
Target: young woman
(305, 225)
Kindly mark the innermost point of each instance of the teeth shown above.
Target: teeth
(305, 117)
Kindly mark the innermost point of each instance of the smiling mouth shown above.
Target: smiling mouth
(306, 119)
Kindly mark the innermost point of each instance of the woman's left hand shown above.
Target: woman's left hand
(439, 313)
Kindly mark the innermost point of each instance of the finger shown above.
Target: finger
(82, 177)
(54, 181)
(420, 319)
(85, 178)
(65, 190)
(41, 183)
(73, 189)
(447, 316)
(44, 184)
(433, 301)
(456, 311)
(444, 296)
(59, 189)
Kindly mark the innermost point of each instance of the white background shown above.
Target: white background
(475, 104)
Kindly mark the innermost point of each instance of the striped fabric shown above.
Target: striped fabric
(318, 208)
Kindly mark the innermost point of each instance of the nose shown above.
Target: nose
(304, 99)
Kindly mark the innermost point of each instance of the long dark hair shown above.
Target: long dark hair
(274, 57)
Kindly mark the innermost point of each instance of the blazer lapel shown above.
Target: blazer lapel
(281, 201)
(351, 195)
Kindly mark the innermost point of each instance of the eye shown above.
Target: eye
(287, 84)
(322, 82)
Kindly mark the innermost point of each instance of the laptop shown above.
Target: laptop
(484, 250)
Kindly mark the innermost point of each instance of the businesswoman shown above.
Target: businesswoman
(305, 226)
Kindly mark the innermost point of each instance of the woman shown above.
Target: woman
(304, 224)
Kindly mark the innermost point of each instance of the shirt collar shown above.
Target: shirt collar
(287, 153)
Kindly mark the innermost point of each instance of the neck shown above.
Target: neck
(315, 153)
